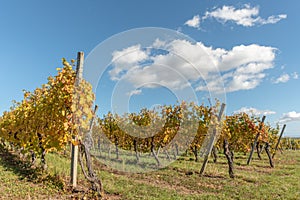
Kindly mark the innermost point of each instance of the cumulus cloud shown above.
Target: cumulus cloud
(251, 54)
(290, 117)
(194, 22)
(193, 64)
(295, 75)
(254, 111)
(282, 79)
(244, 82)
(244, 66)
(158, 43)
(134, 92)
(271, 19)
(244, 16)
(124, 60)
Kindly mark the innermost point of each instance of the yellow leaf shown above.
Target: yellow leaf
(75, 142)
(66, 126)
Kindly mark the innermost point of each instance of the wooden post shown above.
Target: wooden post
(89, 136)
(79, 67)
(278, 142)
(255, 141)
(93, 118)
(74, 148)
(74, 163)
(212, 141)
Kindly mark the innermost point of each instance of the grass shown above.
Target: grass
(19, 181)
(180, 180)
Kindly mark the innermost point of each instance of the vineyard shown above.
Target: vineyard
(60, 113)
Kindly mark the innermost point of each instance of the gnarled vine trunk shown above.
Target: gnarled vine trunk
(258, 150)
(167, 154)
(153, 152)
(43, 152)
(215, 154)
(229, 156)
(117, 148)
(195, 152)
(267, 148)
(135, 146)
(96, 184)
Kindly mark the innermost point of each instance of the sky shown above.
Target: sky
(244, 52)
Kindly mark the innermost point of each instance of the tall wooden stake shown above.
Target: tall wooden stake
(89, 139)
(74, 148)
(255, 141)
(278, 142)
(212, 141)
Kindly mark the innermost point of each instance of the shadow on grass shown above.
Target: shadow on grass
(23, 169)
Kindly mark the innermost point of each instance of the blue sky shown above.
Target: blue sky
(253, 43)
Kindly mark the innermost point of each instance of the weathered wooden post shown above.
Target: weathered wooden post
(89, 138)
(278, 142)
(74, 147)
(255, 140)
(212, 141)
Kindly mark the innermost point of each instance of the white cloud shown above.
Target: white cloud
(282, 79)
(295, 75)
(246, 16)
(194, 22)
(259, 58)
(158, 43)
(124, 60)
(241, 68)
(271, 19)
(134, 92)
(244, 82)
(254, 111)
(289, 117)
(244, 66)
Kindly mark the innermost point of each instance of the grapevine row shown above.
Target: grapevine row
(47, 118)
